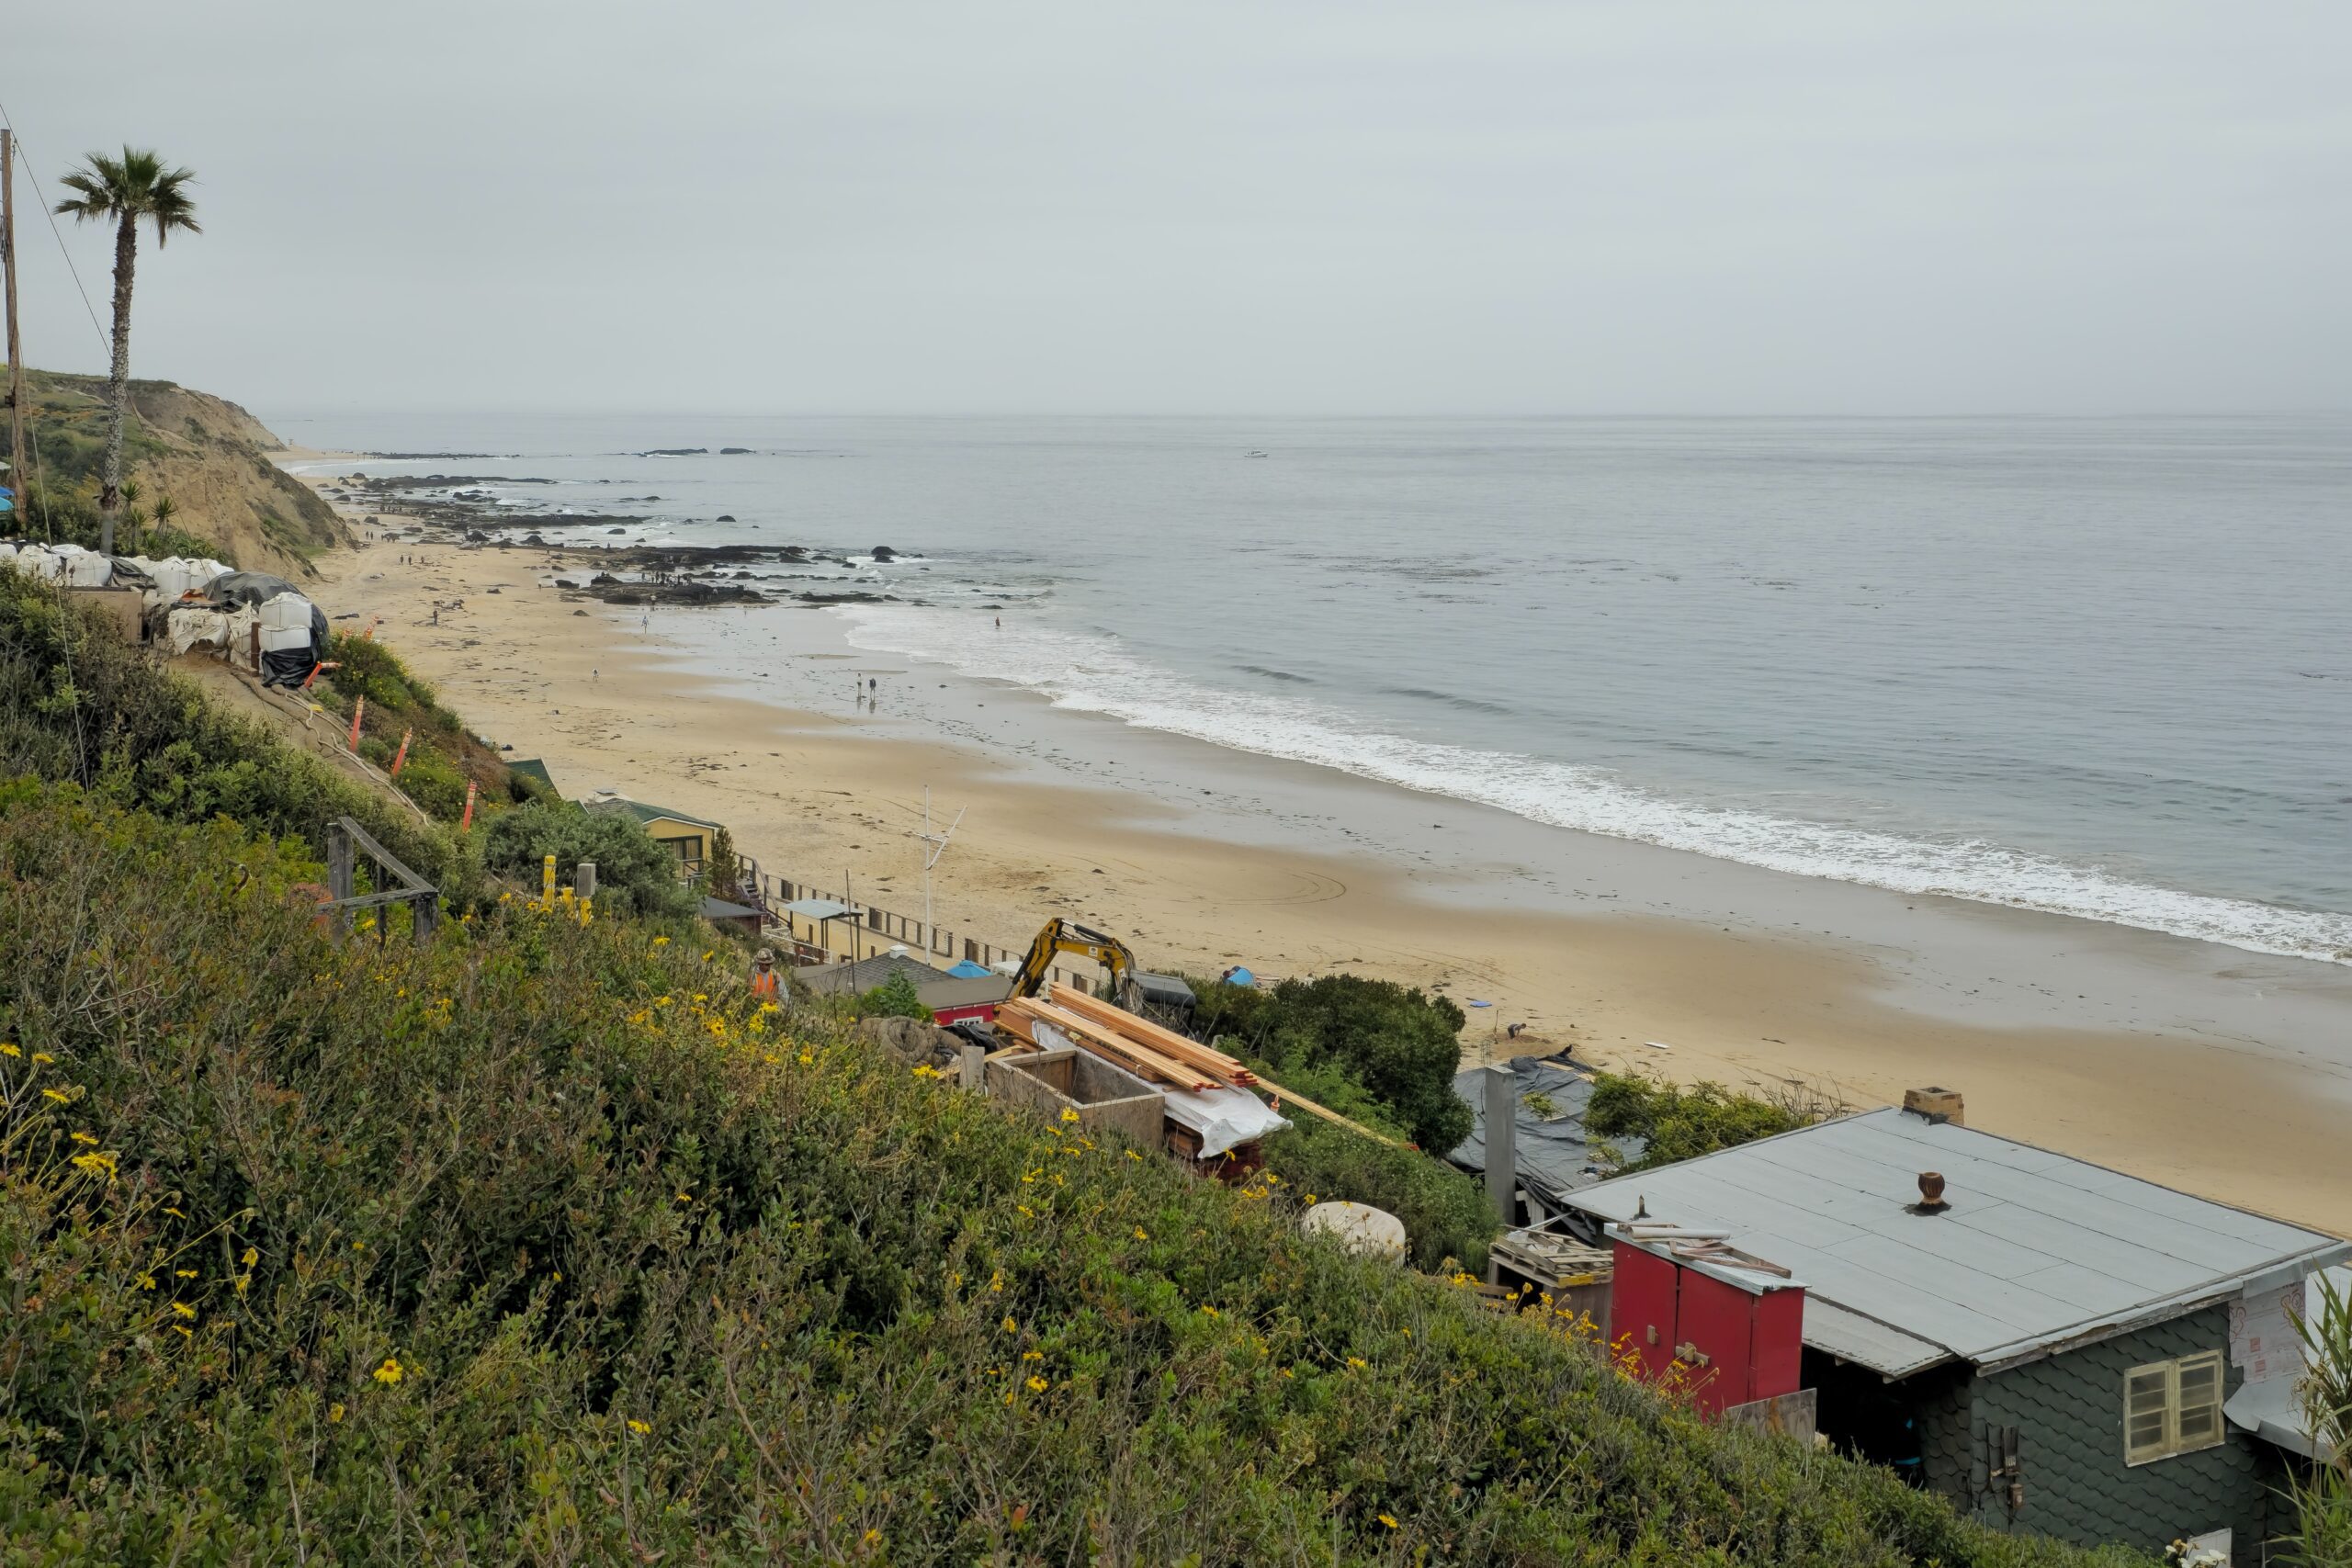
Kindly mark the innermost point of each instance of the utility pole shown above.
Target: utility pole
(16, 352)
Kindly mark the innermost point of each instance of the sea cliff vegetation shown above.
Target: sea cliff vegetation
(546, 1243)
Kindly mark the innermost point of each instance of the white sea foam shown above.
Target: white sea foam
(1095, 675)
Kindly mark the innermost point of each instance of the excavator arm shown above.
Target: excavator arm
(1058, 936)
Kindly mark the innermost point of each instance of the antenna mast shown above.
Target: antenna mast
(938, 847)
(18, 500)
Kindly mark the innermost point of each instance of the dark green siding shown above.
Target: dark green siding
(2068, 1410)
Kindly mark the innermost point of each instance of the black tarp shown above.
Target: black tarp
(256, 589)
(1555, 1155)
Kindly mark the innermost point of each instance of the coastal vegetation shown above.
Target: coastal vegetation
(634, 875)
(545, 1243)
(1401, 1044)
(1679, 1122)
(126, 191)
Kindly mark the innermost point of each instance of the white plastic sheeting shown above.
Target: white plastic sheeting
(1225, 1118)
(192, 628)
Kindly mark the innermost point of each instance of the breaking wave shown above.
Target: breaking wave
(1095, 675)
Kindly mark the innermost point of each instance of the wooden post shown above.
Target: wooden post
(973, 1064)
(339, 869)
(1501, 1130)
(15, 349)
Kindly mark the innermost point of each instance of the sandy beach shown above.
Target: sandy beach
(2216, 1070)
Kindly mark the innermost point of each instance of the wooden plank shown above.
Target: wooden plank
(1166, 1042)
(1265, 1086)
(1101, 1040)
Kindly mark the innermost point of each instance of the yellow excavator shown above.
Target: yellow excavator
(1131, 987)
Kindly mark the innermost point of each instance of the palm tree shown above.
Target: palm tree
(126, 189)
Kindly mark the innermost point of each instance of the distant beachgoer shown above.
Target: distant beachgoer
(999, 623)
(595, 674)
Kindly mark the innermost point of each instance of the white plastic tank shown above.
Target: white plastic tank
(1364, 1230)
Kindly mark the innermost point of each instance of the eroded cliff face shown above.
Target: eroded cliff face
(209, 455)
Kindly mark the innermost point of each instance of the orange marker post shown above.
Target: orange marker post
(466, 825)
(358, 710)
(400, 758)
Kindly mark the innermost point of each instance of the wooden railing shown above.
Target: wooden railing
(346, 841)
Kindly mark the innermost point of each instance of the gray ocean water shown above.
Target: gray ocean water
(2095, 666)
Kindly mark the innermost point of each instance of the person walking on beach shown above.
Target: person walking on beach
(763, 982)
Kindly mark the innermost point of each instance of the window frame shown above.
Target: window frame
(2171, 1445)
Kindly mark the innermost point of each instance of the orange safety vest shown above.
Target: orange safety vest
(763, 984)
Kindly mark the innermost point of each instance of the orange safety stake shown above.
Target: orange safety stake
(400, 757)
(359, 707)
(466, 825)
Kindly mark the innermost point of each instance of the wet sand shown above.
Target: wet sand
(2219, 1071)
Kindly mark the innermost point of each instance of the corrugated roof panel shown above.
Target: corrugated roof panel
(2036, 1247)
(1852, 1337)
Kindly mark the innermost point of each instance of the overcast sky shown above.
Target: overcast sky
(1284, 206)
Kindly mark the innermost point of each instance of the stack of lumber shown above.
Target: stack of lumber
(1140, 1033)
(1022, 1015)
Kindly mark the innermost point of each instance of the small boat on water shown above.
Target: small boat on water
(1253, 453)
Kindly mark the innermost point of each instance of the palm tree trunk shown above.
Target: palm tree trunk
(126, 256)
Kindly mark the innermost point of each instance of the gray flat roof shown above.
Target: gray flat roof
(2036, 1248)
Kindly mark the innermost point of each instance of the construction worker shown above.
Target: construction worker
(764, 981)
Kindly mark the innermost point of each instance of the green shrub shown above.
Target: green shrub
(538, 1244)
(1401, 1044)
(1445, 1212)
(1682, 1123)
(634, 875)
(894, 997)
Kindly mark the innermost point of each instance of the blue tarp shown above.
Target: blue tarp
(967, 970)
(1237, 976)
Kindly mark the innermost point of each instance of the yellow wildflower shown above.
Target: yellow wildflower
(8, 1050)
(806, 1059)
(1142, 1234)
(640, 1427)
(1069, 1113)
(1388, 1520)
(252, 1256)
(1009, 1326)
(996, 1280)
(183, 1309)
(389, 1373)
(1356, 1363)
(1038, 1385)
(185, 1273)
(1132, 1155)
(1032, 1355)
(84, 1138)
(685, 1197)
(43, 1057)
(1207, 1311)
(661, 942)
(58, 1095)
(334, 1412)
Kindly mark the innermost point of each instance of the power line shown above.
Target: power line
(25, 158)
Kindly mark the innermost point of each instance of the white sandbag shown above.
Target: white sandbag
(41, 562)
(278, 639)
(7, 554)
(192, 628)
(286, 612)
(238, 636)
(87, 569)
(200, 573)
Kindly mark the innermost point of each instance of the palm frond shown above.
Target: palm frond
(134, 185)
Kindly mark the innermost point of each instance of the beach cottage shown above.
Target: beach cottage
(691, 839)
(2054, 1345)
